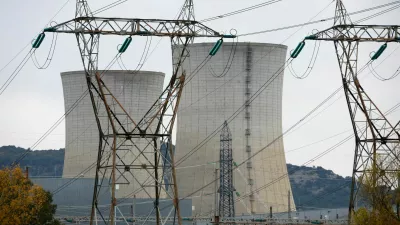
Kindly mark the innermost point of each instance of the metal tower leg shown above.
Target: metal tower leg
(376, 139)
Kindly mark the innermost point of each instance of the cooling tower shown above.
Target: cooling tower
(136, 91)
(223, 89)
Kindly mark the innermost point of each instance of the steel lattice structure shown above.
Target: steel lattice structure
(120, 134)
(376, 138)
(226, 189)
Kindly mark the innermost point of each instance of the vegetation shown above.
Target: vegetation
(23, 203)
(41, 163)
(309, 184)
(318, 187)
(379, 201)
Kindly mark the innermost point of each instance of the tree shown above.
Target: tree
(22, 202)
(378, 198)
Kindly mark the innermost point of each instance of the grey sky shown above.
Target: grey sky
(34, 101)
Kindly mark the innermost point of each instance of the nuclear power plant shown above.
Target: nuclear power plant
(203, 144)
(228, 81)
(222, 88)
(135, 90)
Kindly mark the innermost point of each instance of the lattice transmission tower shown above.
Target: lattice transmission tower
(375, 137)
(226, 189)
(119, 135)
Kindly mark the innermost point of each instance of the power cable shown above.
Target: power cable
(234, 115)
(256, 94)
(55, 125)
(196, 72)
(319, 141)
(320, 21)
(50, 54)
(311, 64)
(15, 73)
(250, 8)
(377, 76)
(107, 7)
(9, 62)
(15, 56)
(324, 153)
(377, 14)
(317, 157)
(229, 61)
(191, 152)
(326, 193)
(257, 61)
(63, 117)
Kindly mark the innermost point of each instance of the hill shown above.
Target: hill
(41, 163)
(311, 186)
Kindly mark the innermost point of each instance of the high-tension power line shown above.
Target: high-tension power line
(121, 133)
(395, 5)
(375, 137)
(86, 92)
(100, 92)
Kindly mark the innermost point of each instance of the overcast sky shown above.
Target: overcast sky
(34, 101)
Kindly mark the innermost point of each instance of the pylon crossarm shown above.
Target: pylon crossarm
(135, 27)
(359, 33)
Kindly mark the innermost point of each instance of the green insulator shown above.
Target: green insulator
(216, 47)
(379, 52)
(38, 41)
(298, 49)
(125, 45)
(311, 37)
(237, 194)
(235, 164)
(228, 36)
(143, 32)
(50, 29)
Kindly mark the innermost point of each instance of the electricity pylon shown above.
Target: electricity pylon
(119, 134)
(226, 189)
(376, 138)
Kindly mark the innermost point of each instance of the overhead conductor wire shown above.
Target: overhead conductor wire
(26, 58)
(54, 126)
(328, 19)
(272, 77)
(48, 132)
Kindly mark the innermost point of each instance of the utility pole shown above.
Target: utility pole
(270, 212)
(226, 189)
(216, 209)
(133, 210)
(374, 134)
(27, 172)
(121, 134)
(289, 207)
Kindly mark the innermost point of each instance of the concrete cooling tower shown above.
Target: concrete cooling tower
(223, 89)
(136, 91)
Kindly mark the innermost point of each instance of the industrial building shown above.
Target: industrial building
(223, 89)
(135, 90)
